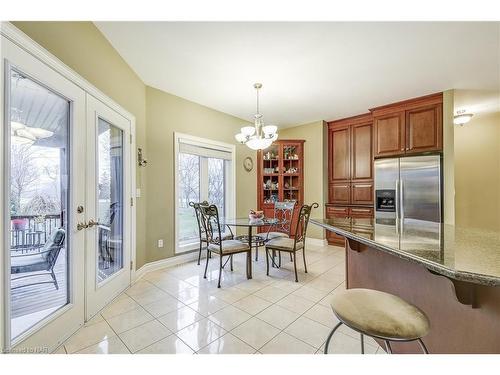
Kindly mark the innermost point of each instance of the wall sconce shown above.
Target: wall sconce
(142, 162)
(462, 118)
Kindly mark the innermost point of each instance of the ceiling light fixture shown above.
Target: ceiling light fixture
(462, 118)
(23, 134)
(257, 137)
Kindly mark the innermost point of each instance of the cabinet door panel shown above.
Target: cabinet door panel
(362, 151)
(339, 193)
(424, 129)
(361, 212)
(332, 212)
(337, 211)
(389, 134)
(339, 162)
(362, 192)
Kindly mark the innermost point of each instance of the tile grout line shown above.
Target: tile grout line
(228, 304)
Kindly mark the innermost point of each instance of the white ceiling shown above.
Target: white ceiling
(310, 71)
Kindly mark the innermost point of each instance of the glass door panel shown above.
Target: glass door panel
(39, 151)
(110, 199)
(189, 191)
(108, 196)
(216, 184)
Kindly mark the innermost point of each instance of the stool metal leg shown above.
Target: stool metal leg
(422, 345)
(362, 343)
(388, 347)
(330, 337)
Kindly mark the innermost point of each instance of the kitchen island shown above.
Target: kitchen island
(451, 273)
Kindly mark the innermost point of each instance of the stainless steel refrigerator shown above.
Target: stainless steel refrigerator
(408, 198)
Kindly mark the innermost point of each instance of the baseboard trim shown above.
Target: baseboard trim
(165, 263)
(185, 258)
(316, 241)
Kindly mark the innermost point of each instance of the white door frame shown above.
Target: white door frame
(70, 317)
(27, 44)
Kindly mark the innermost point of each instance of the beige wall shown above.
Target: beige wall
(448, 158)
(477, 172)
(82, 47)
(167, 114)
(315, 170)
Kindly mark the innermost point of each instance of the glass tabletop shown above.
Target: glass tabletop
(246, 222)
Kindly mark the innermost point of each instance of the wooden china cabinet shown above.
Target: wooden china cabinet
(280, 176)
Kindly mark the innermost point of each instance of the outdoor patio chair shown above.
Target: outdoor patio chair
(41, 261)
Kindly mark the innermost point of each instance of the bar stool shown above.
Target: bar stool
(379, 315)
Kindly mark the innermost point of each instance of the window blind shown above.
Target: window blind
(204, 150)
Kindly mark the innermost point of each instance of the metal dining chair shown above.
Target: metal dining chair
(212, 228)
(294, 244)
(201, 230)
(283, 214)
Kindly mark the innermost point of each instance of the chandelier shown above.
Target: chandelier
(257, 137)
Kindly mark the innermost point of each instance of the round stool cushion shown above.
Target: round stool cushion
(380, 314)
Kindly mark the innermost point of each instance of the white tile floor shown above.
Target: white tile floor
(175, 310)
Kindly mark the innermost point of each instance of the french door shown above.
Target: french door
(44, 186)
(66, 213)
(108, 212)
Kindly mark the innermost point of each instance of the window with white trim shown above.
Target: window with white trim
(203, 172)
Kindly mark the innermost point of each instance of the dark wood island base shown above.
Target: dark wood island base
(456, 327)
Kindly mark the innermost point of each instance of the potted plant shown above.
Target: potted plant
(19, 224)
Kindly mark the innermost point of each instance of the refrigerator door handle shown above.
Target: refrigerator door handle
(396, 204)
(401, 204)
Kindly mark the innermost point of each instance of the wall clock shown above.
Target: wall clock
(248, 164)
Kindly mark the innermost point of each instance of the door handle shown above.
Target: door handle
(92, 223)
(81, 226)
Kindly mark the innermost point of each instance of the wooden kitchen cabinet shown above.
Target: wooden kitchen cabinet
(331, 213)
(362, 192)
(424, 129)
(350, 170)
(362, 151)
(409, 127)
(404, 128)
(389, 134)
(340, 193)
(339, 150)
(350, 160)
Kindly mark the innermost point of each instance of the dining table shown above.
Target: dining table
(250, 224)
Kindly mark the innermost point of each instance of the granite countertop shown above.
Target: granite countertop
(464, 254)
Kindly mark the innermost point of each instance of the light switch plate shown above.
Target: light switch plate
(160, 243)
(137, 193)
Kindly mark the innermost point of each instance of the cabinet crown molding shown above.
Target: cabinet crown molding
(353, 120)
(431, 99)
